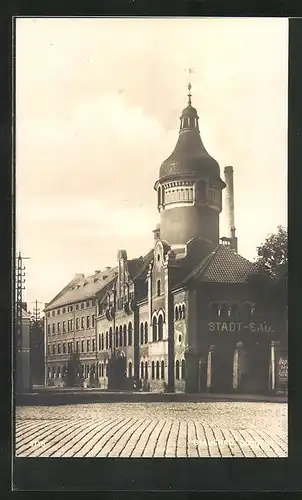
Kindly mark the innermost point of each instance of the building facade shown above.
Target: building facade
(191, 315)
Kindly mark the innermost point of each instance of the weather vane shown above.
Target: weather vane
(190, 72)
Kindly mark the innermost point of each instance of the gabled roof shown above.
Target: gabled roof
(223, 265)
(84, 288)
(137, 267)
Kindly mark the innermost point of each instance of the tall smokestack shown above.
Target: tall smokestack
(228, 177)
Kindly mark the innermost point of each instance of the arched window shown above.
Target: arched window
(130, 369)
(159, 196)
(116, 336)
(183, 310)
(183, 370)
(157, 370)
(177, 370)
(106, 369)
(121, 336)
(142, 333)
(185, 123)
(142, 369)
(146, 369)
(160, 327)
(162, 374)
(146, 332)
(201, 191)
(130, 333)
(176, 315)
(125, 335)
(110, 338)
(106, 340)
(158, 288)
(154, 329)
(152, 370)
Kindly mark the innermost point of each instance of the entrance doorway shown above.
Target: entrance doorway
(117, 372)
(254, 369)
(222, 369)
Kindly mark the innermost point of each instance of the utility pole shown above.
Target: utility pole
(20, 280)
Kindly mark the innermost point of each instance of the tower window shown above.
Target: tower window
(158, 287)
(160, 327)
(142, 333)
(162, 370)
(142, 369)
(159, 196)
(146, 332)
(125, 335)
(152, 368)
(154, 329)
(157, 370)
(130, 333)
(130, 369)
(146, 369)
(176, 314)
(177, 370)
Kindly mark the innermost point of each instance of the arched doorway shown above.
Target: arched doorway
(253, 368)
(222, 369)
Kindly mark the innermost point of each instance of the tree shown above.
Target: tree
(272, 255)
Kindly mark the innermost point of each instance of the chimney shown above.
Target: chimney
(228, 177)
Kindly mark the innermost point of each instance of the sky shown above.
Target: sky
(97, 111)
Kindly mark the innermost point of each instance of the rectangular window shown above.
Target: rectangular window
(77, 307)
(77, 346)
(53, 349)
(88, 345)
(53, 328)
(93, 302)
(77, 323)
(53, 313)
(64, 348)
(82, 346)
(93, 344)
(87, 303)
(48, 350)
(48, 314)
(99, 341)
(88, 321)
(59, 327)
(64, 310)
(48, 329)
(71, 325)
(64, 326)
(82, 305)
(58, 311)
(59, 349)
(83, 323)
(93, 317)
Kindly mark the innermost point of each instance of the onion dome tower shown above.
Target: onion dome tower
(189, 188)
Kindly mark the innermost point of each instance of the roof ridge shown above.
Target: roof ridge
(202, 266)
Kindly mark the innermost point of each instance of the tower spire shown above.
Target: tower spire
(189, 94)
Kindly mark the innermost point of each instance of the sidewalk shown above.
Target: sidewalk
(64, 395)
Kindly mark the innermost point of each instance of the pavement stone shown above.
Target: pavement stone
(203, 429)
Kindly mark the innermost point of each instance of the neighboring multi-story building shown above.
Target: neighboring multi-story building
(70, 326)
(190, 315)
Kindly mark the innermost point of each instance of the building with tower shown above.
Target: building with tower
(192, 315)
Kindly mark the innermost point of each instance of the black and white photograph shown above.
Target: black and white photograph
(151, 237)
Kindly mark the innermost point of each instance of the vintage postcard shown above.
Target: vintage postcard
(151, 237)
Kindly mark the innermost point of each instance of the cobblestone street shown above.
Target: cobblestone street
(211, 429)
